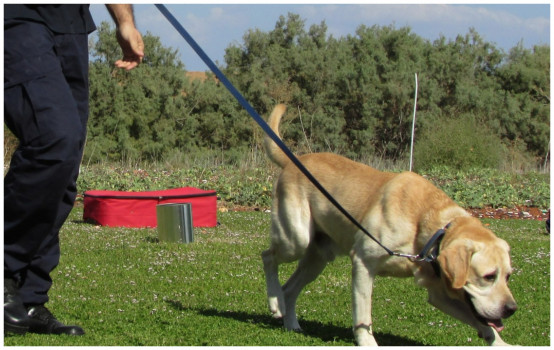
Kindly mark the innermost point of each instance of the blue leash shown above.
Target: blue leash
(222, 78)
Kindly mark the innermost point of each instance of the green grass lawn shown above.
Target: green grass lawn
(126, 288)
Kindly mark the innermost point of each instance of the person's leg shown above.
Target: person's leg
(72, 52)
(40, 108)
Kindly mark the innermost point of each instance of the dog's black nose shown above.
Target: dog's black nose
(509, 309)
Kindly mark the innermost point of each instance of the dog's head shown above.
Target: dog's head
(476, 268)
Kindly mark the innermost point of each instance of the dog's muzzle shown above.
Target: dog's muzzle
(508, 310)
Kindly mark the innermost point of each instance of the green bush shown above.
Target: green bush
(352, 95)
(251, 185)
(459, 143)
(479, 188)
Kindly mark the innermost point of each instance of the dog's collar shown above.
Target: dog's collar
(430, 251)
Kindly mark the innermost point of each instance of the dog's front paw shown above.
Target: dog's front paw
(499, 342)
(493, 338)
(364, 336)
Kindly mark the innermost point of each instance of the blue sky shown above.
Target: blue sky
(215, 26)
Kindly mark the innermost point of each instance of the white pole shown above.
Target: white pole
(413, 126)
(546, 157)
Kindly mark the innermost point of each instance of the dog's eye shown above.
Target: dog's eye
(491, 277)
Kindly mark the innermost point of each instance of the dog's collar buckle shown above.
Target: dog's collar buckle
(430, 251)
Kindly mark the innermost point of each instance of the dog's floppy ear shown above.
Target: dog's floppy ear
(454, 262)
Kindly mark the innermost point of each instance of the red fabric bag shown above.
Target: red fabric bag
(138, 209)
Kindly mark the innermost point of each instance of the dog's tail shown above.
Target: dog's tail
(273, 151)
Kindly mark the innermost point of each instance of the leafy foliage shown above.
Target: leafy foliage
(478, 188)
(351, 95)
(475, 188)
(358, 91)
(462, 143)
(234, 187)
(155, 112)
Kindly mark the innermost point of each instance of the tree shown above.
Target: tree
(155, 112)
(525, 80)
(137, 114)
(351, 95)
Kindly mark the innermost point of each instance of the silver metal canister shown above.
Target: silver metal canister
(175, 222)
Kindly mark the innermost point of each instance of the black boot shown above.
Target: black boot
(42, 321)
(15, 313)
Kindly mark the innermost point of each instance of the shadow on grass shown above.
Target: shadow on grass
(152, 239)
(325, 332)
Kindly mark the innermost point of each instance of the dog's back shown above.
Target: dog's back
(326, 168)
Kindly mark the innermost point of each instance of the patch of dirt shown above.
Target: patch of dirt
(224, 208)
(528, 213)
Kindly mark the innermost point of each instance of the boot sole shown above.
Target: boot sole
(10, 328)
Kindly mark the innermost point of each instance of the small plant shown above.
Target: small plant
(460, 143)
(251, 186)
(478, 188)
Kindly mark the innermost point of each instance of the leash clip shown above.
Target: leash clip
(429, 252)
(413, 258)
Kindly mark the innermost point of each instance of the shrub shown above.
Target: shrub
(460, 143)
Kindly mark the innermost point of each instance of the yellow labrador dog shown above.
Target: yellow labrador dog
(402, 211)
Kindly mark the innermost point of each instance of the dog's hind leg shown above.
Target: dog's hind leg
(309, 267)
(274, 291)
(290, 235)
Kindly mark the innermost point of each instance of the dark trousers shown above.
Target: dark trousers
(46, 107)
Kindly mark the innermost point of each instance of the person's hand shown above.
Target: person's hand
(128, 37)
(130, 41)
